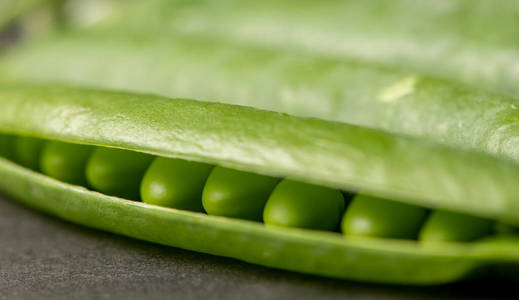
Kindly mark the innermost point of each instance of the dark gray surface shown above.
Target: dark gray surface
(45, 258)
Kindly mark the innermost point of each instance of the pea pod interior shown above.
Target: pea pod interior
(320, 158)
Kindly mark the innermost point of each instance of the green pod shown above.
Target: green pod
(297, 83)
(27, 151)
(374, 217)
(117, 172)
(65, 161)
(237, 194)
(175, 183)
(443, 226)
(329, 154)
(302, 205)
(396, 35)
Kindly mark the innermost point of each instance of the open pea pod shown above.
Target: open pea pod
(283, 81)
(326, 153)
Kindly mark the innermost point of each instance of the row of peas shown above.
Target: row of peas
(220, 191)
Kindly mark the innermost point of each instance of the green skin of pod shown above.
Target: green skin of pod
(175, 183)
(27, 151)
(443, 226)
(117, 172)
(6, 146)
(368, 216)
(303, 205)
(65, 161)
(237, 194)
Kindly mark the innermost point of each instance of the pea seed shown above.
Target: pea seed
(175, 183)
(117, 172)
(303, 205)
(374, 217)
(448, 226)
(237, 194)
(6, 146)
(27, 152)
(65, 161)
(505, 229)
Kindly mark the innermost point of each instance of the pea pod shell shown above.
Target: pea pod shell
(325, 254)
(316, 151)
(473, 42)
(311, 150)
(284, 81)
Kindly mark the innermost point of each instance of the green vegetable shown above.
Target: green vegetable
(472, 41)
(297, 204)
(505, 229)
(6, 146)
(443, 226)
(117, 172)
(175, 183)
(65, 161)
(237, 194)
(284, 81)
(310, 252)
(317, 152)
(27, 151)
(374, 217)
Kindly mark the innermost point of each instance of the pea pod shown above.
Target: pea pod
(473, 42)
(319, 152)
(295, 83)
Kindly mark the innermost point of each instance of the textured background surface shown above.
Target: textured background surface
(45, 258)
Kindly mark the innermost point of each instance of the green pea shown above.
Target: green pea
(375, 217)
(237, 194)
(117, 172)
(65, 161)
(303, 205)
(175, 183)
(448, 226)
(27, 151)
(6, 146)
(505, 229)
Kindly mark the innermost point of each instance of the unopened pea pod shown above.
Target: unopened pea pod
(397, 35)
(65, 161)
(237, 194)
(443, 226)
(327, 154)
(175, 183)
